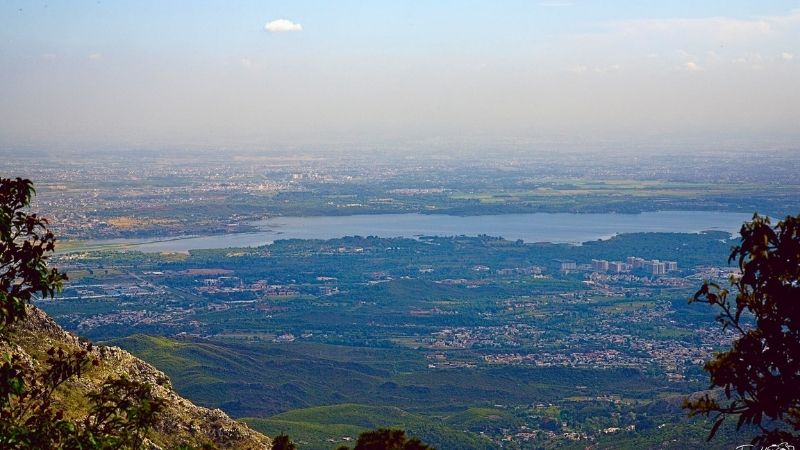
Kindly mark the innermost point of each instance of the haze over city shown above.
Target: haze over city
(265, 74)
(399, 224)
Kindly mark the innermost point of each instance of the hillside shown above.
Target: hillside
(181, 423)
(322, 427)
(322, 395)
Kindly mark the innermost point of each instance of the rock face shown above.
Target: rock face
(182, 422)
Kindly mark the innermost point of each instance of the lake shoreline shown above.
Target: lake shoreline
(570, 228)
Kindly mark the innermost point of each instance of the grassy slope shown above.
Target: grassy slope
(313, 426)
(268, 379)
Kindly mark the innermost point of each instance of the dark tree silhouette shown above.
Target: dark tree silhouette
(760, 374)
(283, 442)
(387, 439)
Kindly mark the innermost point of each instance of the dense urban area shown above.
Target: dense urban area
(95, 197)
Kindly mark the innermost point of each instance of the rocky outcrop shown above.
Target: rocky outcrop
(182, 422)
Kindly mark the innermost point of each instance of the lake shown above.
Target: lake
(539, 227)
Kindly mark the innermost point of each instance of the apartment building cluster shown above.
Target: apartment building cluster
(634, 263)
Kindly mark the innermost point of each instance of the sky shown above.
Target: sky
(257, 74)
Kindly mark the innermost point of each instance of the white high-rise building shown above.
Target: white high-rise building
(617, 266)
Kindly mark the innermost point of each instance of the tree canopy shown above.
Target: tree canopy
(759, 376)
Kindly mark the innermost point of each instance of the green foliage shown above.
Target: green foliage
(24, 246)
(121, 410)
(760, 374)
(476, 419)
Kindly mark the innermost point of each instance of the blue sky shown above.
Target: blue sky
(173, 73)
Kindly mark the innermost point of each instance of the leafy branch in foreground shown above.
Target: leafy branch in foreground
(760, 374)
(120, 414)
(25, 243)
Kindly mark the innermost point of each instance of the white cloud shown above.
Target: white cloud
(95, 56)
(700, 44)
(715, 28)
(578, 68)
(718, 29)
(692, 66)
(282, 26)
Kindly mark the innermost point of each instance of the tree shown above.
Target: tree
(387, 439)
(120, 411)
(25, 243)
(759, 376)
(283, 442)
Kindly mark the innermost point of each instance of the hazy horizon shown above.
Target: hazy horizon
(448, 75)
